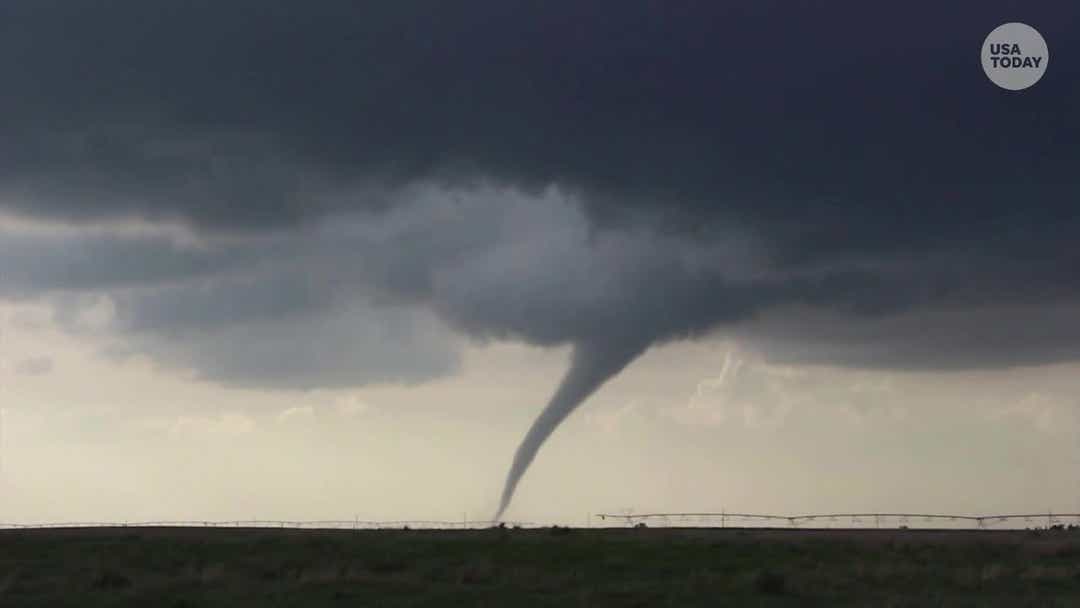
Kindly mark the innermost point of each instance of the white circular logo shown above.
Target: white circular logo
(1014, 56)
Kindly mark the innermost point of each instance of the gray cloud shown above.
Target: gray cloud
(370, 297)
(346, 347)
(927, 337)
(805, 121)
(548, 172)
(33, 261)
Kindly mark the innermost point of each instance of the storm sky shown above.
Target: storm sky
(265, 212)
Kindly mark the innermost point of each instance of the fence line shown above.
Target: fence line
(342, 524)
(701, 520)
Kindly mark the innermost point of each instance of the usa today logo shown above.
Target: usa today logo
(1014, 56)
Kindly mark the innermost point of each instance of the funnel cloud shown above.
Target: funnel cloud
(591, 365)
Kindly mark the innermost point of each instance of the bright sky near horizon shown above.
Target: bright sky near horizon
(691, 427)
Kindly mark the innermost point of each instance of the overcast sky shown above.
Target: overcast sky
(264, 259)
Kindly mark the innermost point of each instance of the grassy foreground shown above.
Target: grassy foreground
(196, 567)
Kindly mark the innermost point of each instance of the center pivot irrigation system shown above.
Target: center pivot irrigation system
(858, 520)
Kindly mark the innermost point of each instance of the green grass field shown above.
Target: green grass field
(194, 567)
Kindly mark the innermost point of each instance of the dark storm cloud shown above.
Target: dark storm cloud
(926, 338)
(34, 262)
(877, 120)
(727, 159)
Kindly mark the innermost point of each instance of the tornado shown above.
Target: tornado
(592, 364)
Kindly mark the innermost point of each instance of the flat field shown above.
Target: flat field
(203, 567)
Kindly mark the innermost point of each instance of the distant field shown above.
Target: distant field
(195, 567)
